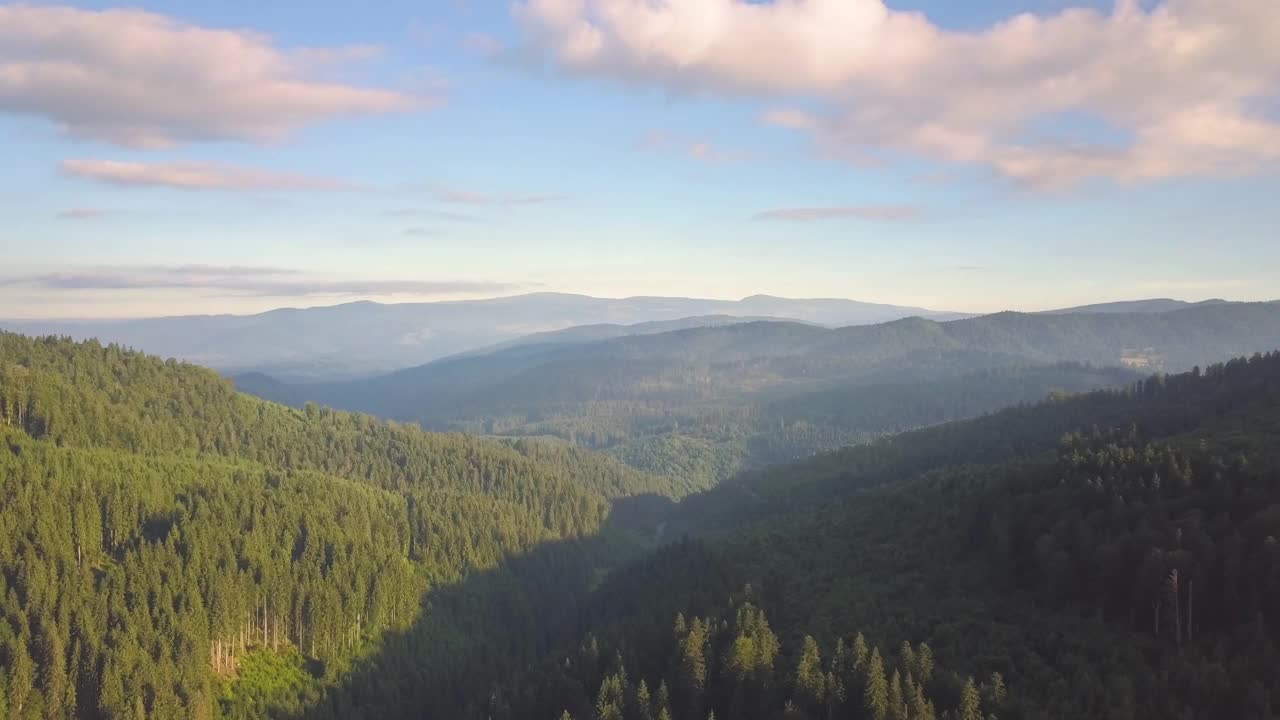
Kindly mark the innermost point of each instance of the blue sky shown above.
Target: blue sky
(227, 157)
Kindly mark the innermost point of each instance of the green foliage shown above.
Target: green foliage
(162, 535)
(269, 684)
(702, 403)
(744, 677)
(169, 548)
(1103, 555)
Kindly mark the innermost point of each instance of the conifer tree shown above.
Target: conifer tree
(875, 696)
(970, 704)
(644, 703)
(924, 664)
(810, 681)
(897, 702)
(860, 652)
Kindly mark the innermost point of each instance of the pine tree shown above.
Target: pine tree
(924, 664)
(663, 700)
(970, 704)
(810, 682)
(692, 673)
(897, 703)
(875, 696)
(644, 703)
(994, 691)
(921, 707)
(860, 652)
(907, 658)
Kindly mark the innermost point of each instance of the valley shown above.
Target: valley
(756, 519)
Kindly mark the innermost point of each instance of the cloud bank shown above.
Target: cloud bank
(140, 79)
(1174, 90)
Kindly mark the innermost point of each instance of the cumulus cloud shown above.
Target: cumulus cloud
(196, 176)
(244, 281)
(141, 79)
(886, 213)
(1178, 85)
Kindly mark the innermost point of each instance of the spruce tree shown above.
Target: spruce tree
(924, 663)
(875, 696)
(970, 704)
(860, 652)
(897, 702)
(810, 682)
(644, 703)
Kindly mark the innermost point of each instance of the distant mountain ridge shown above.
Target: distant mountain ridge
(365, 338)
(1152, 305)
(759, 392)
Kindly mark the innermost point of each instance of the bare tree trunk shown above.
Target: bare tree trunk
(1191, 599)
(1177, 606)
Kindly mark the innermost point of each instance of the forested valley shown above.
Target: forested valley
(706, 403)
(172, 548)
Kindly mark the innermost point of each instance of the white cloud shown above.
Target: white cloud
(1180, 83)
(141, 79)
(196, 176)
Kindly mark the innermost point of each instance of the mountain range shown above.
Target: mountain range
(365, 338)
(172, 549)
(708, 401)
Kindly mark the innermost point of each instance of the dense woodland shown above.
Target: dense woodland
(170, 548)
(704, 403)
(159, 527)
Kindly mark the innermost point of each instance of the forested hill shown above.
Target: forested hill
(360, 339)
(1107, 555)
(162, 535)
(713, 400)
(170, 549)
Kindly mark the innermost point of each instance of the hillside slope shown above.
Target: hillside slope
(159, 530)
(365, 338)
(1107, 555)
(748, 394)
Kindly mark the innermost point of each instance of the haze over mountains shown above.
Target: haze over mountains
(365, 338)
(710, 401)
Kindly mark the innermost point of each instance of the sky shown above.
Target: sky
(209, 157)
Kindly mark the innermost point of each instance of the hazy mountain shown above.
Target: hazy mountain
(1153, 305)
(730, 360)
(752, 393)
(366, 338)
